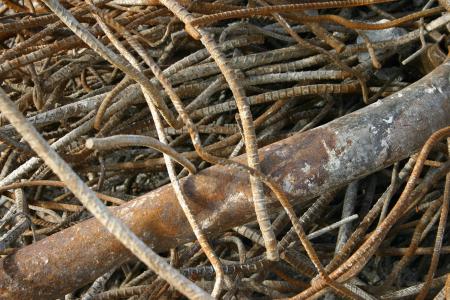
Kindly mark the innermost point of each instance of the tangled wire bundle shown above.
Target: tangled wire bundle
(225, 149)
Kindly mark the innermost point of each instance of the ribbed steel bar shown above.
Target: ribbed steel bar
(305, 164)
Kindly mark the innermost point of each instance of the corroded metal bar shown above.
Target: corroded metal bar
(305, 165)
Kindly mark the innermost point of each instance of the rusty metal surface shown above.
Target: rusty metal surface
(305, 165)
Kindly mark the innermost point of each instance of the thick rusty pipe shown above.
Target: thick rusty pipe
(305, 165)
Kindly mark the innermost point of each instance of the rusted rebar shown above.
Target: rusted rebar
(304, 165)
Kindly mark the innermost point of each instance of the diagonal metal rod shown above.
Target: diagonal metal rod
(305, 164)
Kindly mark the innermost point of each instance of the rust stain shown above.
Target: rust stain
(303, 157)
(83, 251)
(220, 182)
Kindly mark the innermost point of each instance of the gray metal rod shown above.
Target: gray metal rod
(305, 164)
